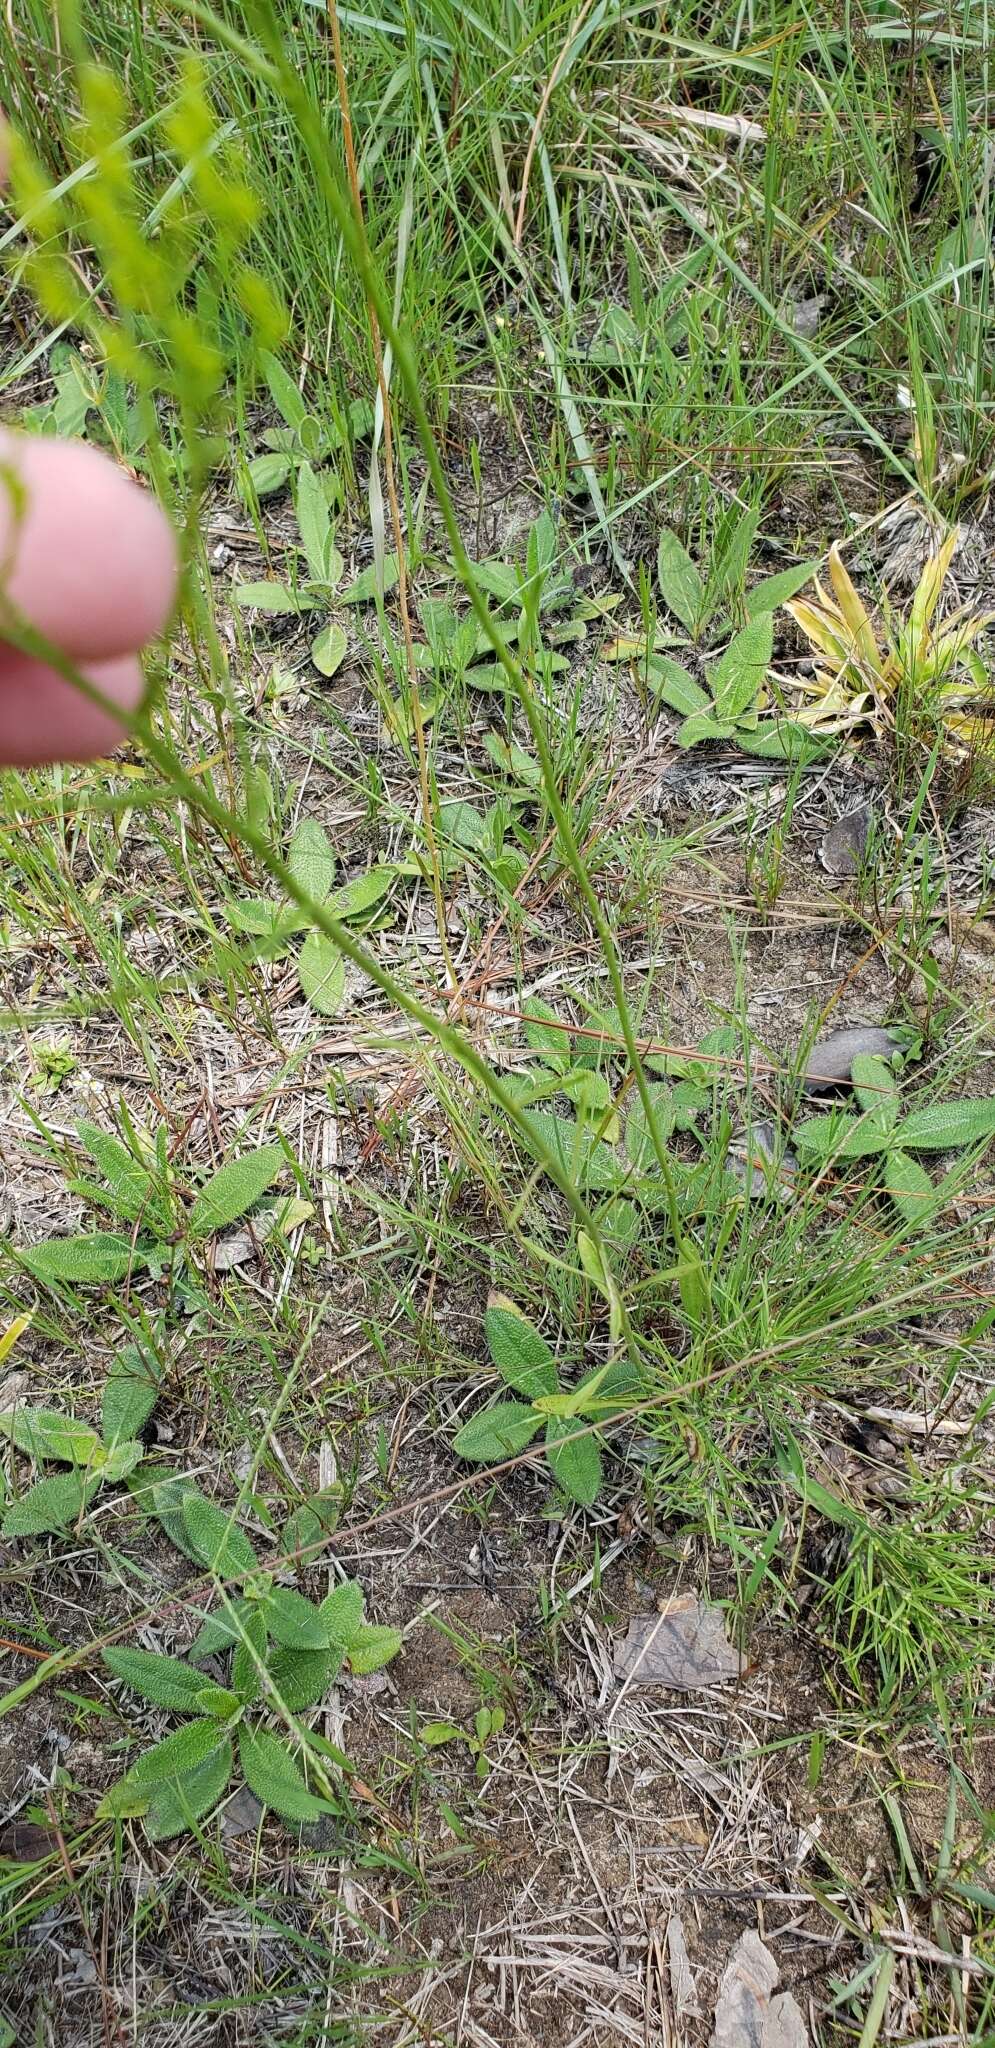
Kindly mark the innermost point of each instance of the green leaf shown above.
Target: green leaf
(272, 598)
(283, 391)
(372, 1647)
(219, 1631)
(545, 1035)
(464, 826)
(300, 1678)
(314, 524)
(435, 1733)
(523, 1358)
(268, 473)
(130, 1394)
(358, 897)
(313, 1520)
(700, 726)
(293, 1621)
(119, 1461)
(166, 1681)
(365, 587)
(249, 1654)
(83, 1261)
(342, 1613)
(576, 1466)
(161, 1492)
(185, 1750)
(321, 972)
(44, 1433)
(329, 648)
(841, 1137)
(736, 680)
(264, 920)
(497, 1433)
(50, 1505)
(776, 590)
(779, 740)
(176, 1803)
(311, 859)
(673, 686)
(910, 1188)
(875, 1085)
(273, 1774)
(584, 1159)
(639, 1144)
(681, 587)
(944, 1126)
(233, 1189)
(128, 1181)
(215, 1539)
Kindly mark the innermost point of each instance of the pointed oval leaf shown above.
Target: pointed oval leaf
(300, 1678)
(945, 1126)
(314, 523)
(166, 1681)
(245, 1675)
(44, 1433)
(910, 1188)
(361, 896)
(372, 1647)
(839, 1137)
(268, 473)
(282, 390)
(522, 1356)
(219, 1631)
(583, 1159)
(120, 1461)
(342, 1613)
(776, 590)
(366, 585)
(544, 1032)
(49, 1505)
(321, 971)
(130, 1394)
(184, 1750)
(82, 1261)
(272, 598)
(329, 648)
(215, 1539)
(575, 1461)
(177, 1803)
(497, 1433)
(273, 1774)
(293, 1621)
(681, 587)
(129, 1182)
(233, 1189)
(311, 859)
(875, 1085)
(672, 685)
(736, 680)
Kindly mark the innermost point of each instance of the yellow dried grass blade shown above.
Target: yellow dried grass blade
(820, 630)
(855, 613)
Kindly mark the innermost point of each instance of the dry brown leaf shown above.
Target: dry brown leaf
(685, 1647)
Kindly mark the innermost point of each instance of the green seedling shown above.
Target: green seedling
(317, 590)
(730, 704)
(285, 1653)
(98, 1458)
(302, 437)
(273, 926)
(140, 1187)
(488, 1722)
(882, 1134)
(526, 1364)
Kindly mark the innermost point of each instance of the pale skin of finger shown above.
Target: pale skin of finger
(88, 559)
(43, 718)
(86, 556)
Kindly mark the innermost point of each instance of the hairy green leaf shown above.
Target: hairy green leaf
(166, 1681)
(283, 391)
(342, 1613)
(120, 1461)
(365, 586)
(44, 1433)
(314, 524)
(522, 1356)
(321, 970)
(293, 1621)
(216, 1540)
(545, 1035)
(50, 1505)
(219, 1631)
(672, 685)
(497, 1433)
(361, 895)
(272, 598)
(311, 859)
(737, 678)
(129, 1394)
(576, 1465)
(329, 648)
(910, 1188)
(129, 1182)
(372, 1647)
(945, 1126)
(588, 1161)
(233, 1189)
(300, 1678)
(245, 1676)
(274, 1775)
(185, 1750)
(176, 1803)
(315, 1518)
(83, 1261)
(268, 473)
(639, 1145)
(841, 1137)
(681, 587)
(776, 590)
(875, 1084)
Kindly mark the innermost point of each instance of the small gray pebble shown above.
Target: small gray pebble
(829, 1063)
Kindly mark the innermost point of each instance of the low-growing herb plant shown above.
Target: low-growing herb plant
(527, 1365)
(881, 1133)
(274, 925)
(302, 437)
(286, 1651)
(709, 605)
(98, 1458)
(487, 1723)
(317, 590)
(140, 1186)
